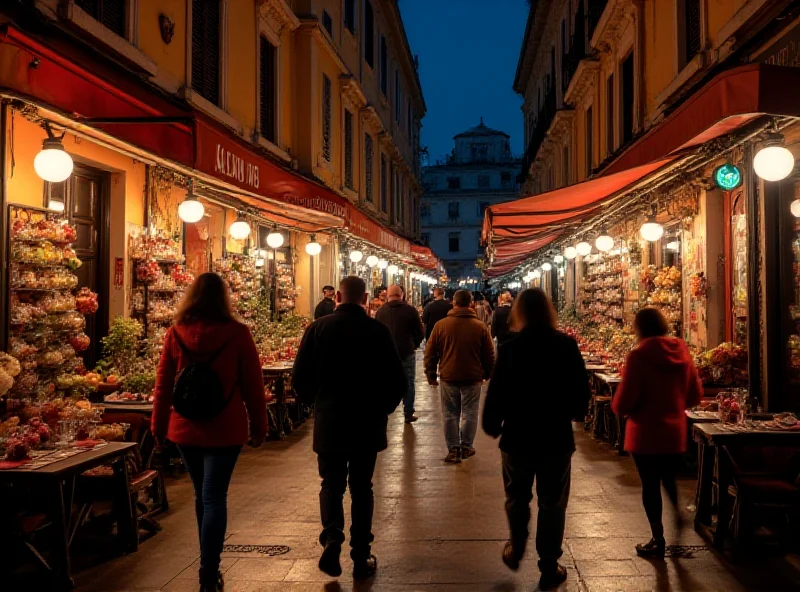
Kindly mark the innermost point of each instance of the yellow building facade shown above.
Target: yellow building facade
(597, 74)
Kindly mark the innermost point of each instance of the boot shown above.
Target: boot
(211, 580)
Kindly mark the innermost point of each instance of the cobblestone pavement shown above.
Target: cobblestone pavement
(438, 527)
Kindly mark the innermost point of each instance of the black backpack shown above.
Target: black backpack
(198, 393)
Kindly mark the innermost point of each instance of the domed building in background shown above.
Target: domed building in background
(480, 171)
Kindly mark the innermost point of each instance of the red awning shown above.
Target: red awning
(729, 101)
(508, 256)
(424, 257)
(542, 214)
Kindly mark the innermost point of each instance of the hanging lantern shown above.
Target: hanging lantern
(372, 261)
(546, 267)
(570, 253)
(356, 256)
(583, 248)
(651, 230)
(275, 239)
(558, 259)
(773, 162)
(383, 264)
(604, 242)
(240, 229)
(53, 164)
(795, 207)
(313, 247)
(191, 210)
(392, 269)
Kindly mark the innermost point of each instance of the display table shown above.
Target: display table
(57, 480)
(709, 437)
(607, 386)
(284, 411)
(143, 408)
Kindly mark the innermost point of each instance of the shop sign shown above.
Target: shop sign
(364, 227)
(319, 204)
(727, 177)
(236, 167)
(785, 51)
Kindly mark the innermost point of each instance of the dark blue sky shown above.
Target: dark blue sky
(468, 52)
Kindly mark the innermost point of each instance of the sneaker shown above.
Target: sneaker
(509, 557)
(329, 562)
(466, 452)
(551, 580)
(365, 568)
(411, 418)
(454, 456)
(653, 548)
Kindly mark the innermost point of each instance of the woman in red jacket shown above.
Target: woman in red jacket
(659, 382)
(205, 328)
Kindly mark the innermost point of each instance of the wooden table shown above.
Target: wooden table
(58, 481)
(610, 384)
(143, 408)
(278, 373)
(709, 437)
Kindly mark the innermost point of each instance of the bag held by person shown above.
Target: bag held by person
(198, 393)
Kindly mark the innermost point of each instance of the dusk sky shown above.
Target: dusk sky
(468, 52)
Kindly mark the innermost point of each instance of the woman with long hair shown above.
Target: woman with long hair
(538, 387)
(659, 383)
(206, 333)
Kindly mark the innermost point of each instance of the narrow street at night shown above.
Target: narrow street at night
(438, 527)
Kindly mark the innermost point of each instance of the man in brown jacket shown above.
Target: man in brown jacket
(461, 346)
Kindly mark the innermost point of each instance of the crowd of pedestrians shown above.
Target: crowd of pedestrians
(209, 402)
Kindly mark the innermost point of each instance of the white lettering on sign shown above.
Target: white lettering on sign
(236, 167)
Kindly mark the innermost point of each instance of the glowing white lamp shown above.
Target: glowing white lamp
(773, 162)
(583, 248)
(383, 264)
(570, 253)
(372, 261)
(240, 229)
(356, 256)
(392, 269)
(53, 163)
(546, 267)
(558, 258)
(795, 207)
(651, 230)
(275, 239)
(313, 247)
(604, 242)
(191, 210)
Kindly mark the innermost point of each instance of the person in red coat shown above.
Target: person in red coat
(205, 327)
(659, 383)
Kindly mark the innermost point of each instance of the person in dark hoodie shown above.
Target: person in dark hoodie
(533, 419)
(404, 324)
(205, 330)
(659, 383)
(500, 328)
(435, 311)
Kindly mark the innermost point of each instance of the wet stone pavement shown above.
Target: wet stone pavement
(438, 527)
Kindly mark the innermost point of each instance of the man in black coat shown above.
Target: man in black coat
(326, 306)
(404, 324)
(500, 328)
(435, 311)
(348, 366)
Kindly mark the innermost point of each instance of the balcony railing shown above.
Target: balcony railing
(542, 124)
(594, 11)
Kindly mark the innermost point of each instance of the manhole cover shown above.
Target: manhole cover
(270, 550)
(685, 551)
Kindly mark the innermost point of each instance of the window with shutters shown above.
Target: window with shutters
(348, 150)
(610, 115)
(589, 142)
(206, 37)
(368, 165)
(627, 99)
(689, 31)
(369, 34)
(326, 118)
(384, 67)
(111, 13)
(384, 189)
(350, 15)
(268, 99)
(565, 166)
(327, 22)
(452, 210)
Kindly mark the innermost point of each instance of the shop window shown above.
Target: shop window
(454, 182)
(589, 142)
(452, 210)
(326, 118)
(110, 13)
(425, 239)
(348, 150)
(350, 15)
(384, 181)
(327, 22)
(610, 115)
(369, 34)
(368, 165)
(384, 67)
(482, 206)
(206, 38)
(268, 98)
(453, 245)
(627, 99)
(689, 31)
(483, 181)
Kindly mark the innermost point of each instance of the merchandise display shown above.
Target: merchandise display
(245, 282)
(283, 269)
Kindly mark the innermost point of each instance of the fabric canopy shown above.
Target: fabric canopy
(532, 216)
(424, 257)
(510, 255)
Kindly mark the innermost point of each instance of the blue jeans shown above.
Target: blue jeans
(460, 406)
(410, 366)
(210, 470)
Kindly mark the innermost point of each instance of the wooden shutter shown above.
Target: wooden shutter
(267, 90)
(206, 49)
(350, 15)
(692, 15)
(111, 13)
(348, 150)
(369, 35)
(368, 165)
(326, 118)
(384, 67)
